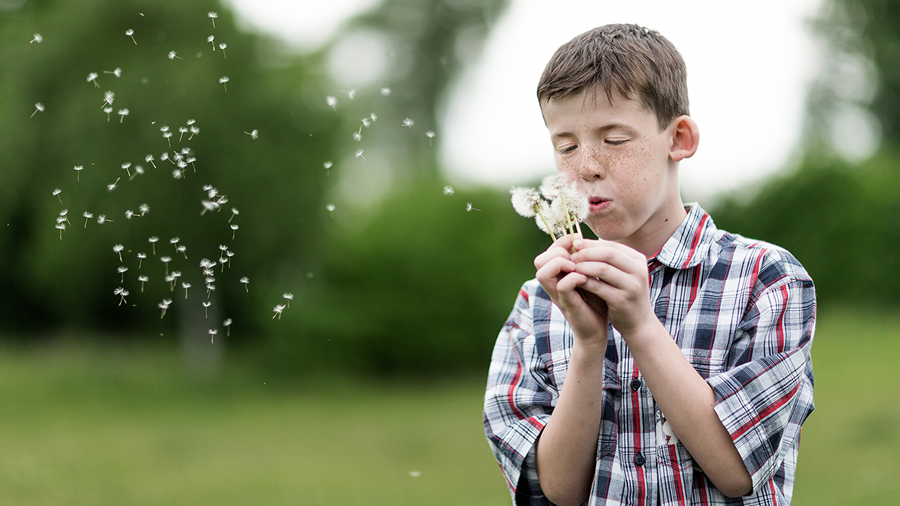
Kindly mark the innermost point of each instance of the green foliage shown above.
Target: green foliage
(423, 287)
(842, 221)
(275, 181)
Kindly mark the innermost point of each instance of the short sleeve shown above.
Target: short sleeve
(517, 404)
(767, 392)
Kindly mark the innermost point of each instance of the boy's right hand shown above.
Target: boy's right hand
(586, 313)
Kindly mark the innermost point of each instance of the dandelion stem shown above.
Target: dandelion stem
(537, 209)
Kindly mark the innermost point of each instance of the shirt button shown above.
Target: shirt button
(636, 384)
(639, 459)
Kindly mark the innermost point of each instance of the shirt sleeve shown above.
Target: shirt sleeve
(767, 392)
(517, 404)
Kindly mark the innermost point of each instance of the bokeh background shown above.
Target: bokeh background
(394, 270)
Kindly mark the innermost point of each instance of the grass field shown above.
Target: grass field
(118, 425)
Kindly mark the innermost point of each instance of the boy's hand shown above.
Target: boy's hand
(586, 312)
(617, 275)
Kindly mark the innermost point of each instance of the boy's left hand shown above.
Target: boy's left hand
(618, 275)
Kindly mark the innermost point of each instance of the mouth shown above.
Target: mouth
(598, 203)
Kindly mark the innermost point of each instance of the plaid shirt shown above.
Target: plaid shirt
(743, 313)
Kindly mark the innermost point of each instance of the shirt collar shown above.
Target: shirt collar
(690, 242)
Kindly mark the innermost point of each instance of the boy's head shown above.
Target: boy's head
(625, 60)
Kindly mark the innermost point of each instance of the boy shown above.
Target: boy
(606, 389)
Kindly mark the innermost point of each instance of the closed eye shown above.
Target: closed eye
(616, 142)
(567, 149)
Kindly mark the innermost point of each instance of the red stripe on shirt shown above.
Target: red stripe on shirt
(695, 241)
(771, 408)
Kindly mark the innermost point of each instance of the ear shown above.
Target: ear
(685, 138)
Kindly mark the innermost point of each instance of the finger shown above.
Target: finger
(554, 268)
(555, 250)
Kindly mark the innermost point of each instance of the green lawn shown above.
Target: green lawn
(112, 426)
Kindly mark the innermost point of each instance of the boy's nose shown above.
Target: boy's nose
(592, 165)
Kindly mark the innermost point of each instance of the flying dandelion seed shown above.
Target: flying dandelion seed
(212, 15)
(183, 250)
(101, 219)
(122, 114)
(288, 297)
(108, 99)
(144, 209)
(37, 38)
(125, 167)
(87, 216)
(117, 249)
(56, 193)
(108, 111)
(330, 208)
(182, 131)
(194, 131)
(78, 169)
(149, 159)
(408, 123)
(122, 293)
(141, 256)
(327, 166)
(385, 91)
(222, 46)
(470, 208)
(153, 240)
(143, 279)
(331, 101)
(92, 78)
(38, 107)
(210, 39)
(122, 270)
(448, 190)
(245, 281)
(61, 227)
(357, 136)
(164, 305)
(430, 135)
(254, 134)
(278, 310)
(234, 227)
(166, 261)
(64, 214)
(117, 72)
(173, 55)
(227, 325)
(212, 335)
(223, 80)
(359, 154)
(130, 33)
(111, 187)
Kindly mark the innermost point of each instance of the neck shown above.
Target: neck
(658, 229)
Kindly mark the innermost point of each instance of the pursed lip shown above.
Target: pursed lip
(598, 203)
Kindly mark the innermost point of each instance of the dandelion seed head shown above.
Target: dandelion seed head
(331, 101)
(223, 79)
(211, 38)
(254, 134)
(551, 186)
(212, 14)
(38, 38)
(117, 72)
(408, 123)
(385, 91)
(122, 269)
(101, 219)
(448, 190)
(39, 106)
(245, 280)
(357, 136)
(327, 165)
(359, 153)
(524, 200)
(330, 207)
(142, 256)
(56, 192)
(107, 110)
(92, 76)
(87, 215)
(129, 32)
(143, 279)
(430, 134)
(109, 97)
(223, 46)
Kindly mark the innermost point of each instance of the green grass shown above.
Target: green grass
(850, 447)
(123, 427)
(118, 425)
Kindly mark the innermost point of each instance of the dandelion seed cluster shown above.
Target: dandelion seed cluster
(557, 208)
(136, 270)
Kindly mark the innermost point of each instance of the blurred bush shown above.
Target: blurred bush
(423, 287)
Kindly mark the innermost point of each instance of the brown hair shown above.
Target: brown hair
(626, 60)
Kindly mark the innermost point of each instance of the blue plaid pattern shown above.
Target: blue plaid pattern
(743, 313)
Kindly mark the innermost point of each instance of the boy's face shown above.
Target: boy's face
(616, 154)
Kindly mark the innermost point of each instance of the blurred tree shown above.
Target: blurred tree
(274, 177)
(423, 44)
